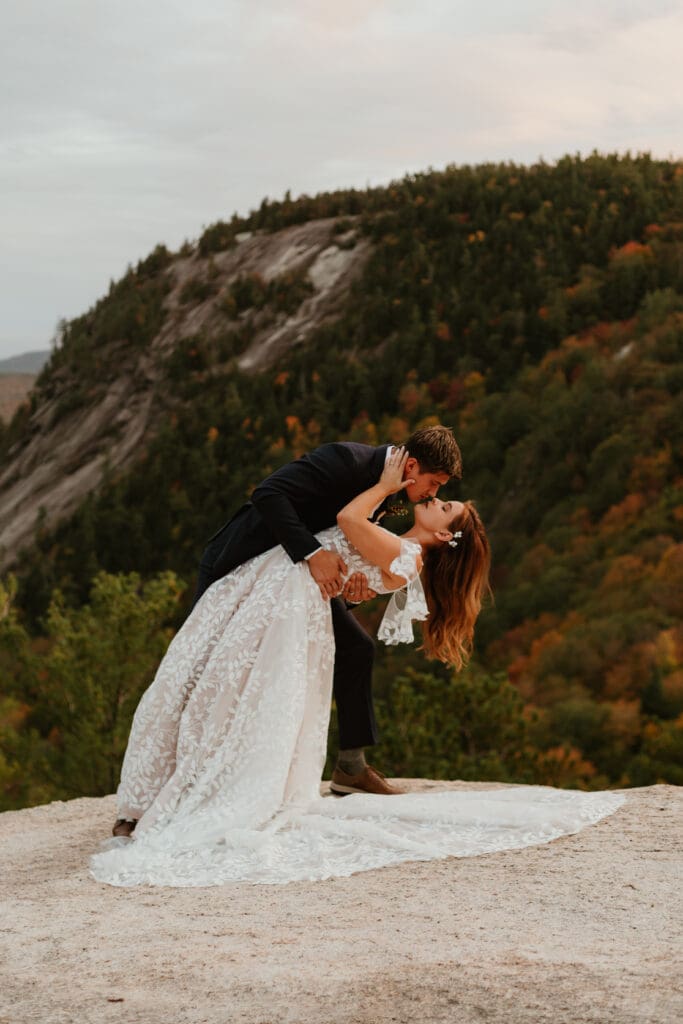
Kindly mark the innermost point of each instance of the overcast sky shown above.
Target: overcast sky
(131, 123)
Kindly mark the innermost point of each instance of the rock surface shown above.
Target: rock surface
(61, 456)
(585, 928)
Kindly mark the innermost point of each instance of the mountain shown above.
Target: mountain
(102, 396)
(537, 310)
(26, 362)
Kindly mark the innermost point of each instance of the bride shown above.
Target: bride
(228, 744)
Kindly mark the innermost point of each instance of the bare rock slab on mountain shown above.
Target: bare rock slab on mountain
(585, 928)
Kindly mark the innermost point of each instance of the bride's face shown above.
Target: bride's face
(437, 516)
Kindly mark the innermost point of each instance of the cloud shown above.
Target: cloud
(129, 124)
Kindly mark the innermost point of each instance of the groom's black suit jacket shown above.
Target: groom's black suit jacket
(295, 502)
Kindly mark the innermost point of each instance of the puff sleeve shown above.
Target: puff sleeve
(408, 604)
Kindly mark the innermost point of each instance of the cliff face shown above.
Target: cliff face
(65, 444)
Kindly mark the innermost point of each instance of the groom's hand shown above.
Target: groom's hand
(327, 569)
(356, 588)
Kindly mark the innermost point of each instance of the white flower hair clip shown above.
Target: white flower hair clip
(453, 542)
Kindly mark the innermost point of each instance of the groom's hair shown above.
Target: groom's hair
(436, 450)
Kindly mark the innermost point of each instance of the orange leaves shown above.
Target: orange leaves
(535, 561)
(622, 514)
(212, 434)
(281, 378)
(631, 251)
(443, 331)
(650, 472)
(411, 397)
(623, 574)
(302, 438)
(668, 581)
(397, 430)
(565, 765)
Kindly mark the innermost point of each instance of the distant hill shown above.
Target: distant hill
(25, 362)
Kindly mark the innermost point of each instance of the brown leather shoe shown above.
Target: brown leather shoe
(122, 827)
(370, 780)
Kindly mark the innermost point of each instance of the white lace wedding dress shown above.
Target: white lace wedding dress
(228, 744)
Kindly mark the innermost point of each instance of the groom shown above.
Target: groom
(301, 499)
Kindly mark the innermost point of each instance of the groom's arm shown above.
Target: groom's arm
(332, 467)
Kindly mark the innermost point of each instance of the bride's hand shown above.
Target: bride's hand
(394, 467)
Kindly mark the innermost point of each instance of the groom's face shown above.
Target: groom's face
(426, 483)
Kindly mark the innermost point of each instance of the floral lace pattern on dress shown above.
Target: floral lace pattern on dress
(228, 744)
(408, 604)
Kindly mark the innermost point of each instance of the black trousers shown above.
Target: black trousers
(353, 660)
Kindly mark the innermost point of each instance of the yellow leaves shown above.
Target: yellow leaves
(516, 215)
(652, 730)
(363, 430)
(474, 385)
(302, 438)
(476, 236)
(396, 430)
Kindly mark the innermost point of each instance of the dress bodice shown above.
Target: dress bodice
(407, 604)
(404, 565)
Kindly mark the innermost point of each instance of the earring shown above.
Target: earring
(453, 542)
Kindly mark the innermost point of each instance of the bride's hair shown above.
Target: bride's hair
(456, 579)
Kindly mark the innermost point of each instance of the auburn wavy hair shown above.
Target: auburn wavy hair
(456, 580)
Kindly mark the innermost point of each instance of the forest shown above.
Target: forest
(538, 311)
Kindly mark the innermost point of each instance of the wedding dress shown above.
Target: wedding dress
(228, 745)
